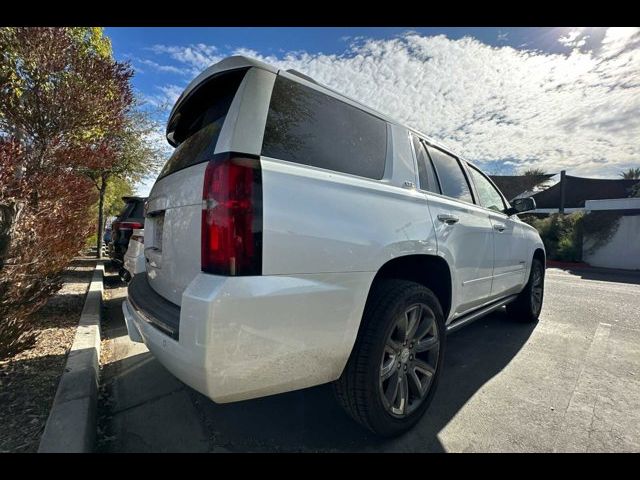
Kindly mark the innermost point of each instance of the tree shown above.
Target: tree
(631, 174)
(534, 172)
(61, 96)
(112, 204)
(537, 178)
(126, 155)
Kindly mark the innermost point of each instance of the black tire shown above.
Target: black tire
(526, 308)
(360, 390)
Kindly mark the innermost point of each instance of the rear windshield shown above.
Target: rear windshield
(201, 120)
(309, 127)
(132, 209)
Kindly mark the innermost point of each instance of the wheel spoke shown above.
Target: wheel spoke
(426, 344)
(423, 367)
(403, 393)
(403, 327)
(421, 386)
(388, 368)
(391, 393)
(425, 325)
(414, 316)
(393, 346)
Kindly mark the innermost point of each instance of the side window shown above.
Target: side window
(488, 196)
(452, 180)
(309, 127)
(426, 173)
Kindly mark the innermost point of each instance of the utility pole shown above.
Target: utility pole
(562, 190)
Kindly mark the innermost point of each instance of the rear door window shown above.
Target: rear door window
(426, 172)
(309, 127)
(201, 120)
(453, 181)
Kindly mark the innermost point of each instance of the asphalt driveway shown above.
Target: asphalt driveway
(569, 384)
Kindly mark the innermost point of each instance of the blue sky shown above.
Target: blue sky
(505, 98)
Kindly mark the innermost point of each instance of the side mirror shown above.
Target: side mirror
(521, 205)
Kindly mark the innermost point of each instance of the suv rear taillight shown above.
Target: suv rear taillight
(232, 216)
(128, 225)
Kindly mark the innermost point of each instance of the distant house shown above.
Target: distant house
(590, 195)
(514, 186)
(577, 190)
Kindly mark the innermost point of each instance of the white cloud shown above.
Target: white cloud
(579, 111)
(618, 40)
(574, 39)
(163, 68)
(166, 97)
(198, 56)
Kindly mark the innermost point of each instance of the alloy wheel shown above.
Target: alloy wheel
(537, 287)
(409, 360)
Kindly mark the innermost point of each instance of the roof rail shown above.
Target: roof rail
(302, 75)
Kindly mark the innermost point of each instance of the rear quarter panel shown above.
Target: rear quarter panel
(317, 221)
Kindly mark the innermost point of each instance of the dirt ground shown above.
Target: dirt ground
(29, 380)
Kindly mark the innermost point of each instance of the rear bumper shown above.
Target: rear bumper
(247, 337)
(134, 264)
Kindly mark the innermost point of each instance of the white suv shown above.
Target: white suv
(297, 237)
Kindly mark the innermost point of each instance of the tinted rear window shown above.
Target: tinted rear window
(138, 210)
(132, 209)
(308, 127)
(426, 172)
(201, 121)
(452, 179)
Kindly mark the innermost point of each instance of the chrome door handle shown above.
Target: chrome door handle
(498, 226)
(448, 218)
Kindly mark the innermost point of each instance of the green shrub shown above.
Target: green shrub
(91, 241)
(561, 235)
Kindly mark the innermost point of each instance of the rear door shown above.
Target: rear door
(509, 237)
(463, 230)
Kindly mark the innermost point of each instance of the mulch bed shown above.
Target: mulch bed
(28, 380)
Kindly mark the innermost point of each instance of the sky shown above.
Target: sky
(507, 99)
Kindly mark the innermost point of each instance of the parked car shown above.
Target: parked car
(134, 261)
(297, 237)
(130, 218)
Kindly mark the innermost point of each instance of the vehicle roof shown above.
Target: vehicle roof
(241, 61)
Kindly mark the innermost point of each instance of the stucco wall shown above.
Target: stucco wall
(622, 251)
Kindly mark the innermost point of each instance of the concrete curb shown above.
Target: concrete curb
(71, 426)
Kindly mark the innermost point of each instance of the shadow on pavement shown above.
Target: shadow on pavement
(632, 277)
(311, 420)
